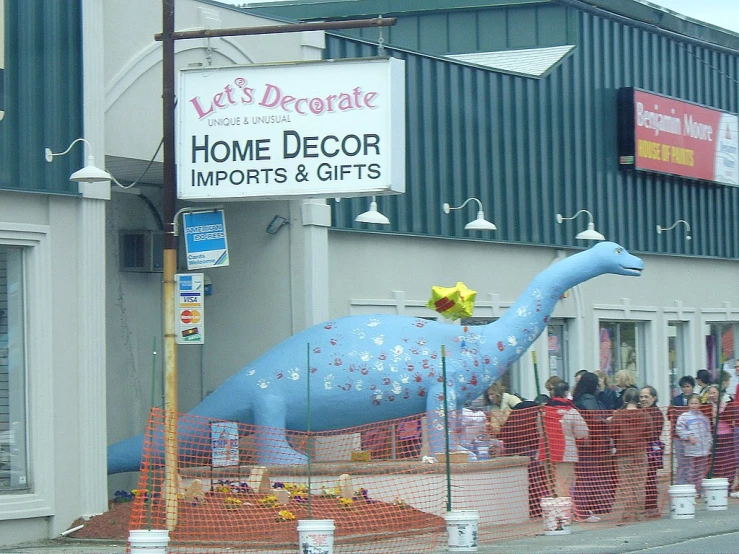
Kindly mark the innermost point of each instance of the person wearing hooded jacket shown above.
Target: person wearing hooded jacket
(562, 426)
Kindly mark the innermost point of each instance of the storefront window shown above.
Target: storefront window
(676, 349)
(720, 347)
(621, 348)
(557, 348)
(13, 458)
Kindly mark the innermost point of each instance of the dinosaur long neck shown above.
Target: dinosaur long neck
(510, 336)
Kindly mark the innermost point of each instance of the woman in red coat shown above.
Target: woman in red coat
(630, 430)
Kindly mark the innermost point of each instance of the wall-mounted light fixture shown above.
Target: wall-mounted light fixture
(88, 174)
(277, 223)
(372, 215)
(590, 233)
(478, 224)
(671, 227)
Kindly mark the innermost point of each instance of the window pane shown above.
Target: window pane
(556, 348)
(13, 459)
(620, 347)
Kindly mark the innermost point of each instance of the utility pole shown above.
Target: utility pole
(168, 36)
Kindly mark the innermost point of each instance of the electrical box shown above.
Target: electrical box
(142, 251)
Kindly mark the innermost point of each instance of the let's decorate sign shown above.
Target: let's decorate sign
(662, 134)
(307, 129)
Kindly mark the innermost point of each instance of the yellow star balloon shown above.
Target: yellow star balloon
(452, 302)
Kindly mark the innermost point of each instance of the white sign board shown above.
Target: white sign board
(205, 239)
(306, 129)
(224, 439)
(189, 308)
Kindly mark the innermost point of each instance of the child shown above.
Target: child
(694, 430)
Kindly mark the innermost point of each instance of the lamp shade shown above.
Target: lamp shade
(372, 215)
(480, 223)
(90, 173)
(590, 234)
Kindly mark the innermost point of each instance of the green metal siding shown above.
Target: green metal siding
(531, 148)
(494, 26)
(43, 95)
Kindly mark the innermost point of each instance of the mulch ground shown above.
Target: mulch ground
(212, 522)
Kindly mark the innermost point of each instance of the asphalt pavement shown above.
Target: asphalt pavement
(711, 531)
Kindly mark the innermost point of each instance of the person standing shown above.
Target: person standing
(595, 483)
(694, 430)
(606, 393)
(630, 428)
(624, 380)
(498, 404)
(734, 382)
(702, 380)
(655, 448)
(723, 461)
(687, 386)
(563, 426)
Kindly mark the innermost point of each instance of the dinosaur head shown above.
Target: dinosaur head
(614, 258)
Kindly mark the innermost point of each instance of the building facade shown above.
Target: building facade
(513, 103)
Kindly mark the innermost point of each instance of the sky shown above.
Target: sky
(722, 13)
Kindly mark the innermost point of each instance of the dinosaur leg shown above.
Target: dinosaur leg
(271, 444)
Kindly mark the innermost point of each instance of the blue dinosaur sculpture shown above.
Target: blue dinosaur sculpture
(366, 369)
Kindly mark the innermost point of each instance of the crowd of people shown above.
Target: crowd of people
(602, 444)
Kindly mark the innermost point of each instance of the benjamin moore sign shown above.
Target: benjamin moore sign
(320, 129)
(662, 134)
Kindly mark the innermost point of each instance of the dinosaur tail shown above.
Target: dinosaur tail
(125, 455)
(194, 445)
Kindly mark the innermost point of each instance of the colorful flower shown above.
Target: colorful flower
(269, 501)
(285, 515)
(232, 502)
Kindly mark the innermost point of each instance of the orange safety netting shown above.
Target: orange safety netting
(386, 493)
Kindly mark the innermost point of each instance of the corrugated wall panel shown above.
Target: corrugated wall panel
(43, 95)
(530, 148)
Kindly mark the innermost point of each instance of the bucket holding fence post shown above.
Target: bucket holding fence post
(148, 541)
(316, 536)
(461, 525)
(716, 493)
(682, 501)
(556, 514)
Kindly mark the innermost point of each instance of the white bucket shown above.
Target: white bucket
(682, 501)
(716, 493)
(556, 514)
(461, 525)
(316, 536)
(148, 541)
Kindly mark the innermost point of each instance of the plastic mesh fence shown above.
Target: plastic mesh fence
(387, 494)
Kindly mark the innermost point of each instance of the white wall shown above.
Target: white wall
(49, 227)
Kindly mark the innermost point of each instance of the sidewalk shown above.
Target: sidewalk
(652, 533)
(585, 538)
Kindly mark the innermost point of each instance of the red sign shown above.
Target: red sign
(661, 134)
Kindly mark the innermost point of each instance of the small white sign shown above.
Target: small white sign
(205, 239)
(189, 308)
(312, 129)
(224, 438)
